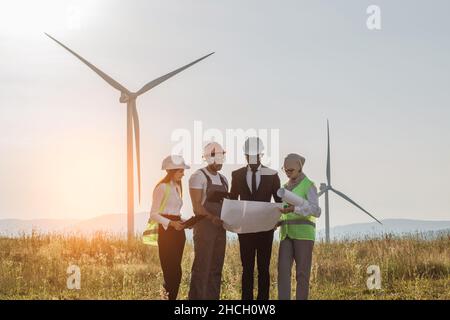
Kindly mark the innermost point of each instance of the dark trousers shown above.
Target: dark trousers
(209, 248)
(260, 245)
(171, 246)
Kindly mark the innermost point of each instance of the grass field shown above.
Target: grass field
(35, 267)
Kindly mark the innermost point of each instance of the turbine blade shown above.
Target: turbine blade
(159, 80)
(103, 75)
(354, 203)
(138, 144)
(328, 155)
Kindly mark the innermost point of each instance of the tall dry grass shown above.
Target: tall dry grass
(34, 267)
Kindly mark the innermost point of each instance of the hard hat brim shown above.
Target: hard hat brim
(175, 167)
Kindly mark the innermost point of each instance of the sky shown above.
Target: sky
(285, 65)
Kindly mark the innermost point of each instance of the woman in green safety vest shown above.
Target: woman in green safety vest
(297, 230)
(166, 206)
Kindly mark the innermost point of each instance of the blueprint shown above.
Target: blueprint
(249, 216)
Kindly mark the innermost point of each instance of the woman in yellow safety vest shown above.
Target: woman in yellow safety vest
(166, 206)
(297, 230)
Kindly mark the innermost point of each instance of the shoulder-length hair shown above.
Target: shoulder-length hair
(168, 177)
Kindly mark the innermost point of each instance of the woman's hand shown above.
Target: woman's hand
(177, 225)
(289, 208)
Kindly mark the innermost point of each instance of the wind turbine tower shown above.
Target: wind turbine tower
(326, 187)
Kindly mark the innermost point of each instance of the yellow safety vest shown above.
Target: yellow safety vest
(295, 226)
(150, 236)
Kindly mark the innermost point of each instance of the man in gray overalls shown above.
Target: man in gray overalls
(209, 234)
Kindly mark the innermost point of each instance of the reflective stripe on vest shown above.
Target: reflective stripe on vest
(297, 221)
(149, 232)
(166, 196)
(150, 235)
(293, 225)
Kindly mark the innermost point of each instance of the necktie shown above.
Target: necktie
(254, 182)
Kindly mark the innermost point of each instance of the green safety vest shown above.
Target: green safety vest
(296, 226)
(150, 236)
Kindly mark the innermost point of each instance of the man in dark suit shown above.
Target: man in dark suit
(255, 182)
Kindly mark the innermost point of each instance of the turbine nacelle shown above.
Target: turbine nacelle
(323, 188)
(127, 97)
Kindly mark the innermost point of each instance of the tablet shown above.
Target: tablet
(190, 222)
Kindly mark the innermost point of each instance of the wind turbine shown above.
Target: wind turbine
(325, 187)
(128, 97)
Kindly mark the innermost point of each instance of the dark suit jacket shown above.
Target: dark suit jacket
(268, 187)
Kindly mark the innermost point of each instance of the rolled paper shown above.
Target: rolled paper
(290, 197)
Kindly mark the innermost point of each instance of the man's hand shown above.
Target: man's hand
(289, 208)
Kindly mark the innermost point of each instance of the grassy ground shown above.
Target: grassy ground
(35, 267)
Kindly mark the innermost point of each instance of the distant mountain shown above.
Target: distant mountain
(390, 226)
(14, 227)
(116, 224)
(110, 223)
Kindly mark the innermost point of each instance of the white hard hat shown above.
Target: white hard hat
(253, 146)
(174, 162)
(214, 152)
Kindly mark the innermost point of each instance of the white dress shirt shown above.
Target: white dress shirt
(173, 203)
(249, 177)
